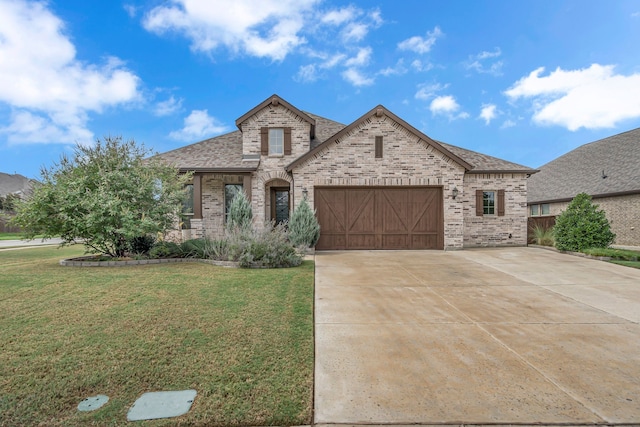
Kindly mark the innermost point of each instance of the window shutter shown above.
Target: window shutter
(287, 141)
(500, 202)
(479, 208)
(264, 141)
(378, 147)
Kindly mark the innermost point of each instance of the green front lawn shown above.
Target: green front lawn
(242, 338)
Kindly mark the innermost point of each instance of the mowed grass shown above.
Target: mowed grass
(242, 338)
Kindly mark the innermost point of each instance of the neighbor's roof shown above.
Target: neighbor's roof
(609, 166)
(16, 183)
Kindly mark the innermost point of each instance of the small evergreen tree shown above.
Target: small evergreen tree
(582, 226)
(304, 229)
(240, 213)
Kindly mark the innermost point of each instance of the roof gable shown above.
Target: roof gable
(276, 100)
(604, 167)
(379, 111)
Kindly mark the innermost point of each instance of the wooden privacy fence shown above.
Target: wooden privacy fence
(5, 227)
(544, 222)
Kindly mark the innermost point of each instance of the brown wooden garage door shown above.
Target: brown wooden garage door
(380, 218)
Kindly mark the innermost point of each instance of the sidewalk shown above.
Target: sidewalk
(26, 243)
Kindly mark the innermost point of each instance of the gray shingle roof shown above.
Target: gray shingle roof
(581, 170)
(16, 183)
(224, 152)
(483, 163)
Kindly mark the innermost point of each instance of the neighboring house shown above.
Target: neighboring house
(377, 183)
(14, 184)
(608, 170)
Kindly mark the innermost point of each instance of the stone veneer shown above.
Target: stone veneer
(623, 213)
(494, 230)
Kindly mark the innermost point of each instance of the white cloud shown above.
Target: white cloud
(635, 14)
(340, 16)
(488, 113)
(50, 91)
(397, 70)
(168, 107)
(508, 124)
(421, 44)
(333, 61)
(483, 62)
(361, 59)
(447, 106)
(268, 28)
(428, 91)
(356, 77)
(592, 98)
(131, 10)
(198, 124)
(419, 66)
(306, 74)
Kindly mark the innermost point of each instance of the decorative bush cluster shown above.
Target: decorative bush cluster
(272, 247)
(582, 226)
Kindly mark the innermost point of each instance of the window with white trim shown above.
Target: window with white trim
(488, 202)
(276, 141)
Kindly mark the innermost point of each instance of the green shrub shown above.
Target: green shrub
(543, 236)
(141, 245)
(196, 248)
(165, 250)
(582, 226)
(304, 230)
(240, 213)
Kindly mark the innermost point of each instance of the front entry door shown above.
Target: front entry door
(279, 205)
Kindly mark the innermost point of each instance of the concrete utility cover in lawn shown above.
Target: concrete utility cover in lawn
(161, 404)
(92, 403)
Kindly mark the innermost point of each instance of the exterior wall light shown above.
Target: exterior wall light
(305, 193)
(454, 193)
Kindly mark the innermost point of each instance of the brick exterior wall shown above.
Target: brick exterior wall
(406, 161)
(494, 230)
(623, 213)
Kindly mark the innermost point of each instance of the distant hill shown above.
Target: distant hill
(10, 184)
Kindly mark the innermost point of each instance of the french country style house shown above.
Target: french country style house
(377, 183)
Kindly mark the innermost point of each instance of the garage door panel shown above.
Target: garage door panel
(394, 207)
(361, 241)
(332, 210)
(380, 218)
(395, 241)
(360, 211)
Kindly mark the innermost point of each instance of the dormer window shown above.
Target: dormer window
(276, 141)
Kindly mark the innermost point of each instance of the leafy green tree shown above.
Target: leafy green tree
(240, 213)
(304, 229)
(582, 226)
(105, 196)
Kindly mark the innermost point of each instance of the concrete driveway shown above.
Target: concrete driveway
(486, 336)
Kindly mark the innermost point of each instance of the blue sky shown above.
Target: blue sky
(522, 80)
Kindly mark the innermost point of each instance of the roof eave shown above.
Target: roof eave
(487, 171)
(593, 196)
(232, 170)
